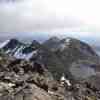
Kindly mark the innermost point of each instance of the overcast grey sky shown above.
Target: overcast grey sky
(80, 18)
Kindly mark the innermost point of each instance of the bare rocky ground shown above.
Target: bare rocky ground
(26, 80)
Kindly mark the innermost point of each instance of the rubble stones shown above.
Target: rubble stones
(27, 80)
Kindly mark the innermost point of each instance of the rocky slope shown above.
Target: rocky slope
(23, 80)
(72, 52)
(34, 71)
(28, 80)
(69, 56)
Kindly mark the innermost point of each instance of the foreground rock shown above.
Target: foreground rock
(26, 80)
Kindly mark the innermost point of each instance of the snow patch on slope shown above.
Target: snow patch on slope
(67, 40)
(4, 44)
(19, 55)
(65, 44)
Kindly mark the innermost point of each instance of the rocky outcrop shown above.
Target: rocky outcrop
(28, 80)
(19, 76)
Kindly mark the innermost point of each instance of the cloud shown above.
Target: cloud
(34, 15)
(78, 18)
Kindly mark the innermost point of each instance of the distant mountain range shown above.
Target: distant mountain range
(70, 56)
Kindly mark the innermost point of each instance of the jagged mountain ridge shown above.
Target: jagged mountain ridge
(19, 50)
(55, 44)
(59, 55)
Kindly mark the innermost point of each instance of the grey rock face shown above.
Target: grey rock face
(82, 70)
(69, 52)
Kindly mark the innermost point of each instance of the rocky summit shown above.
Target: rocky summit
(58, 69)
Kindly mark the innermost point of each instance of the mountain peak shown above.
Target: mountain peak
(55, 39)
(35, 42)
(9, 43)
(4, 44)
